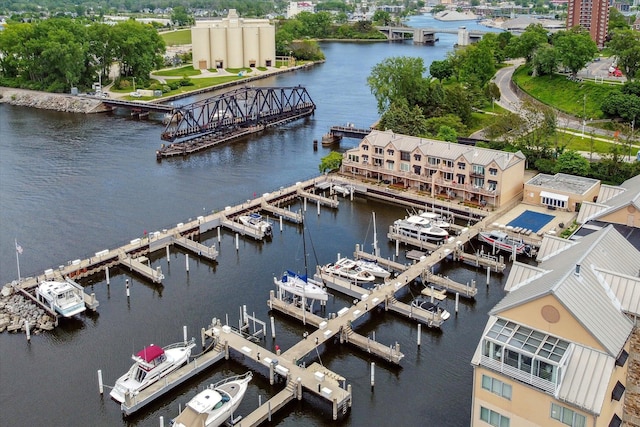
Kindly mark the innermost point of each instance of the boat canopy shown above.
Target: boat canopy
(292, 274)
(255, 215)
(206, 400)
(150, 353)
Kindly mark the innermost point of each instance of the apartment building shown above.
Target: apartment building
(468, 174)
(555, 348)
(592, 15)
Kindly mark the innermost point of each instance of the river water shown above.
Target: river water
(72, 185)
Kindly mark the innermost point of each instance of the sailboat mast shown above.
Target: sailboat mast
(376, 250)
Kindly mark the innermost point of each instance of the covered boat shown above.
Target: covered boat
(502, 241)
(214, 405)
(64, 298)
(348, 268)
(432, 307)
(301, 286)
(150, 364)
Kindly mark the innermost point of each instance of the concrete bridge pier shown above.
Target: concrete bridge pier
(463, 36)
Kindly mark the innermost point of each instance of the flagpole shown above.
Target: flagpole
(17, 258)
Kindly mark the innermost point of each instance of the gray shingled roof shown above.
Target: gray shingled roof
(586, 296)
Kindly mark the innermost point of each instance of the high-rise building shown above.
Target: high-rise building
(592, 15)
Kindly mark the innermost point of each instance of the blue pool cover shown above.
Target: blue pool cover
(531, 220)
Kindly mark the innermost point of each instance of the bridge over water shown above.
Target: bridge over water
(428, 35)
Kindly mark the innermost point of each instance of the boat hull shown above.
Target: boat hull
(302, 288)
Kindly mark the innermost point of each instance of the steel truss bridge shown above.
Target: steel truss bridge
(233, 111)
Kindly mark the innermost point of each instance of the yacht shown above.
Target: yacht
(374, 268)
(150, 364)
(436, 219)
(419, 228)
(64, 298)
(214, 405)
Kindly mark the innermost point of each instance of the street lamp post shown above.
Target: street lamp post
(584, 112)
(134, 89)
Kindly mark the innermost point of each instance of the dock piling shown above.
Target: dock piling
(27, 329)
(161, 421)
(186, 262)
(419, 333)
(373, 375)
(106, 272)
(184, 333)
(273, 328)
(168, 257)
(219, 236)
(237, 242)
(488, 274)
(318, 205)
(202, 336)
(126, 282)
(281, 224)
(457, 301)
(100, 384)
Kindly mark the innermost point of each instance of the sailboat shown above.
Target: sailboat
(300, 285)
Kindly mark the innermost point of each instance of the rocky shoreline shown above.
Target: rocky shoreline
(16, 310)
(49, 101)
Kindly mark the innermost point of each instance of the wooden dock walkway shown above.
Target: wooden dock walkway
(323, 201)
(242, 229)
(294, 217)
(208, 252)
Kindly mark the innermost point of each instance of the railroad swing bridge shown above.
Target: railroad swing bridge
(235, 113)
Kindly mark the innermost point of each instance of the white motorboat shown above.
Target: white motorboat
(344, 190)
(436, 219)
(150, 364)
(301, 286)
(214, 405)
(432, 307)
(374, 268)
(502, 241)
(64, 298)
(419, 228)
(256, 221)
(348, 268)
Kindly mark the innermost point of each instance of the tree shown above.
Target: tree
(478, 65)
(138, 49)
(622, 105)
(575, 48)
(397, 78)
(545, 61)
(526, 44)
(381, 17)
(181, 17)
(330, 162)
(571, 162)
(625, 45)
(492, 92)
(441, 70)
(447, 133)
(617, 21)
(404, 119)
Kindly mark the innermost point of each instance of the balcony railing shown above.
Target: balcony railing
(519, 375)
(466, 187)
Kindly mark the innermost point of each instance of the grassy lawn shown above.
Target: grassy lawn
(571, 97)
(178, 37)
(187, 70)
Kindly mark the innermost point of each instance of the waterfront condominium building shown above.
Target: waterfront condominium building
(233, 42)
(554, 350)
(592, 15)
(448, 171)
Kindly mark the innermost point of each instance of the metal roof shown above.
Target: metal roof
(607, 192)
(521, 274)
(590, 210)
(443, 150)
(586, 378)
(589, 299)
(551, 246)
(626, 289)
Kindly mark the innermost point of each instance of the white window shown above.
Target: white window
(404, 167)
(567, 416)
(493, 418)
(496, 386)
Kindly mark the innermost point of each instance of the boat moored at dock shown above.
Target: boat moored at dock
(432, 307)
(301, 286)
(348, 269)
(256, 221)
(64, 298)
(214, 405)
(373, 267)
(502, 241)
(150, 364)
(419, 228)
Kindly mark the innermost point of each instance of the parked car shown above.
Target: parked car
(135, 94)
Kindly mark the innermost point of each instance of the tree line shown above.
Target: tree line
(57, 54)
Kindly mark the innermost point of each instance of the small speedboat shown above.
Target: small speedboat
(373, 268)
(301, 286)
(64, 298)
(432, 307)
(255, 221)
(214, 405)
(150, 364)
(344, 190)
(348, 268)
